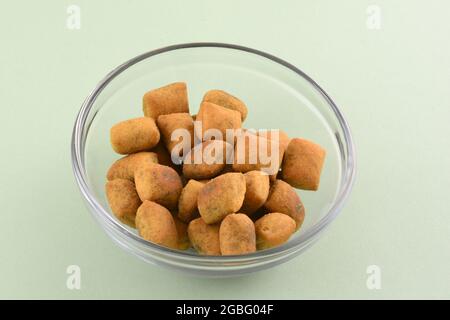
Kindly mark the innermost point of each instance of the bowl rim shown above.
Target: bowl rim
(78, 166)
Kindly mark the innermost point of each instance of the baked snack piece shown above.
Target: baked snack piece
(256, 191)
(221, 196)
(155, 223)
(215, 120)
(172, 98)
(283, 198)
(177, 132)
(183, 239)
(273, 229)
(302, 165)
(237, 235)
(226, 100)
(204, 237)
(123, 200)
(158, 183)
(134, 135)
(187, 203)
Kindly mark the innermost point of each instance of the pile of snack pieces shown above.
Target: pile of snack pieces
(216, 208)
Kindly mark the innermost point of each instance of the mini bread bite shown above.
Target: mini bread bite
(204, 237)
(224, 99)
(302, 165)
(283, 198)
(273, 229)
(256, 191)
(155, 224)
(183, 238)
(177, 131)
(237, 235)
(134, 135)
(158, 183)
(221, 196)
(123, 200)
(280, 137)
(215, 120)
(187, 203)
(172, 98)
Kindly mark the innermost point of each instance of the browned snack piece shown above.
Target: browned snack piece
(283, 140)
(134, 135)
(206, 160)
(187, 203)
(226, 100)
(221, 196)
(181, 126)
(283, 198)
(302, 165)
(123, 200)
(172, 98)
(273, 229)
(125, 167)
(158, 183)
(183, 239)
(257, 191)
(204, 237)
(215, 120)
(237, 235)
(155, 224)
(253, 152)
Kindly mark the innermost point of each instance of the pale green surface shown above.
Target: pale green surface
(392, 84)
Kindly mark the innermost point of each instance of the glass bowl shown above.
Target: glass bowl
(278, 96)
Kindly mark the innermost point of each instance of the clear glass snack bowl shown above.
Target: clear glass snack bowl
(278, 95)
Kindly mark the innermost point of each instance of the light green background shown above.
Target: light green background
(392, 84)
